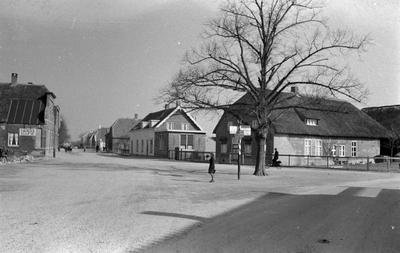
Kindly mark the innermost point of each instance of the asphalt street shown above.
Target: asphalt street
(84, 202)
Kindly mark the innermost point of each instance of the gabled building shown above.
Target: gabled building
(164, 131)
(29, 118)
(117, 138)
(96, 138)
(328, 128)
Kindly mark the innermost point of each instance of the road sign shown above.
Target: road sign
(233, 129)
(245, 130)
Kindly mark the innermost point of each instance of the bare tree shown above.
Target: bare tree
(63, 132)
(393, 139)
(262, 47)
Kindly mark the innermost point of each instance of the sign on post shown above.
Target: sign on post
(245, 130)
(239, 133)
(233, 129)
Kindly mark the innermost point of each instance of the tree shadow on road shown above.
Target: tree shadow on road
(356, 219)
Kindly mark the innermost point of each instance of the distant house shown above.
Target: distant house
(29, 118)
(328, 128)
(117, 138)
(164, 131)
(96, 138)
(389, 117)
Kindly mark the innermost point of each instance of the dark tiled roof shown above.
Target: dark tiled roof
(336, 118)
(159, 116)
(22, 92)
(26, 112)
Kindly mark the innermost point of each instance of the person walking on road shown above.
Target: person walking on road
(211, 168)
(276, 157)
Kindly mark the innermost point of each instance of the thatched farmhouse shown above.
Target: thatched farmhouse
(320, 129)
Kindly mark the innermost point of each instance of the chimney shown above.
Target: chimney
(166, 106)
(14, 78)
(178, 103)
(136, 116)
(294, 89)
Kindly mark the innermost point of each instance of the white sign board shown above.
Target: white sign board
(245, 130)
(27, 132)
(233, 129)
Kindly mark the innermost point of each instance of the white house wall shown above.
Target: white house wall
(295, 145)
(140, 142)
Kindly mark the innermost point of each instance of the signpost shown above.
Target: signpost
(239, 133)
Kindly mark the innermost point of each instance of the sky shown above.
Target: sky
(107, 59)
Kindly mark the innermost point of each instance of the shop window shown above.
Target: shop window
(13, 140)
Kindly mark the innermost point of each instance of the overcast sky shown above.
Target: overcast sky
(106, 59)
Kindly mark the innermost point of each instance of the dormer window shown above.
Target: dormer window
(311, 122)
(170, 125)
(185, 126)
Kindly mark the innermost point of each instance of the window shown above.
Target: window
(161, 142)
(307, 147)
(318, 147)
(151, 146)
(342, 151)
(224, 147)
(187, 141)
(170, 125)
(137, 145)
(13, 140)
(247, 147)
(185, 126)
(353, 148)
(311, 122)
(190, 141)
(183, 141)
(142, 146)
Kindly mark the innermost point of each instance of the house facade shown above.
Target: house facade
(162, 132)
(29, 119)
(332, 132)
(96, 138)
(118, 137)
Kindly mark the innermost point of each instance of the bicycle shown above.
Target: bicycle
(278, 164)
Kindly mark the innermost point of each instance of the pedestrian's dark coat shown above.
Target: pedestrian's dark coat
(211, 168)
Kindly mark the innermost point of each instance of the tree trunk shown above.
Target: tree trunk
(261, 139)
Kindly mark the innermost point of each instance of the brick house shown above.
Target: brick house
(29, 119)
(164, 131)
(118, 137)
(330, 128)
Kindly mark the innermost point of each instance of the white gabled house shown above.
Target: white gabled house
(164, 131)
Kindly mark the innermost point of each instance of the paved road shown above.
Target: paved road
(356, 219)
(96, 202)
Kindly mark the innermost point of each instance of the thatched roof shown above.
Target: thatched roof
(335, 118)
(388, 116)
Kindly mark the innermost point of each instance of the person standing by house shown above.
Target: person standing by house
(211, 167)
(276, 157)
